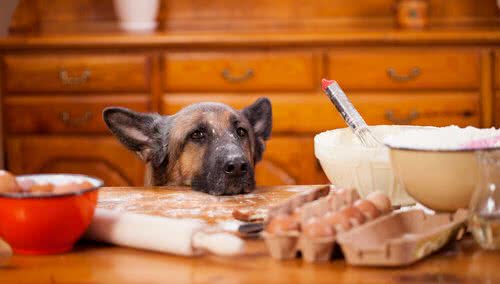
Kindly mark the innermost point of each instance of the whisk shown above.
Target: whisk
(350, 115)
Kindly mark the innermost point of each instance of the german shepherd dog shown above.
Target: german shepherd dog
(209, 146)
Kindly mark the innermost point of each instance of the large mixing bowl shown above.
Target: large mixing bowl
(347, 163)
(441, 180)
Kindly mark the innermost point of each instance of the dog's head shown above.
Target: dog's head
(209, 146)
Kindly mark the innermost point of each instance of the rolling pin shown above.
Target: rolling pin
(186, 237)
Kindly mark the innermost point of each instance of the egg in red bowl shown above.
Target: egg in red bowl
(46, 213)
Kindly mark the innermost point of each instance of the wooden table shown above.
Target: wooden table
(97, 263)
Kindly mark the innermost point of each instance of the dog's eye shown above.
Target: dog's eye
(197, 135)
(242, 132)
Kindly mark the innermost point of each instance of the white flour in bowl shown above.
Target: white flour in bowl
(445, 138)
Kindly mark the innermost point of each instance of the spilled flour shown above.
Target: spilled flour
(191, 204)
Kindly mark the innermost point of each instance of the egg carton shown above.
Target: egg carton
(413, 235)
(287, 245)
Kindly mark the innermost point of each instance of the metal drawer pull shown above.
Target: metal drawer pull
(66, 79)
(389, 115)
(226, 74)
(393, 74)
(76, 121)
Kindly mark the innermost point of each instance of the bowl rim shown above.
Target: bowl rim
(16, 195)
(442, 150)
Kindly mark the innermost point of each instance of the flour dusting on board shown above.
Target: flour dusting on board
(191, 204)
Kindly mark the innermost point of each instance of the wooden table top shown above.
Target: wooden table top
(90, 262)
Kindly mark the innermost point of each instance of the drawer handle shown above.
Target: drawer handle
(226, 74)
(393, 74)
(66, 79)
(74, 121)
(389, 115)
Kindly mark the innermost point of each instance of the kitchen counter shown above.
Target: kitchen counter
(90, 262)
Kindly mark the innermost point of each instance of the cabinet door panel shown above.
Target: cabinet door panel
(405, 69)
(61, 114)
(241, 71)
(79, 73)
(102, 157)
(290, 160)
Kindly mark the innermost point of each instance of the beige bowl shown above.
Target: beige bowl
(440, 180)
(349, 164)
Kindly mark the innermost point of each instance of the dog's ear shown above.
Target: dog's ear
(260, 116)
(143, 133)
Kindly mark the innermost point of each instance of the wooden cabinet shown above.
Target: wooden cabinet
(497, 110)
(102, 157)
(290, 160)
(496, 79)
(496, 75)
(55, 83)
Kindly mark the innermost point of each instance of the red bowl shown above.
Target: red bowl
(49, 223)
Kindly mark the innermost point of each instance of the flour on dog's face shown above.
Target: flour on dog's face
(208, 146)
(208, 138)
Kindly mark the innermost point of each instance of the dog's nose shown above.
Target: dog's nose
(236, 167)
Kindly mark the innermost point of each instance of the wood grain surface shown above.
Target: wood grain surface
(90, 262)
(183, 202)
(98, 263)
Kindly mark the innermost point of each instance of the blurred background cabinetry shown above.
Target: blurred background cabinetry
(64, 61)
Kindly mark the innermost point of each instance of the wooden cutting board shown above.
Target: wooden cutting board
(178, 202)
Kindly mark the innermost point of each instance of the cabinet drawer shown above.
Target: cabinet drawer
(52, 73)
(315, 113)
(383, 69)
(102, 157)
(63, 114)
(241, 71)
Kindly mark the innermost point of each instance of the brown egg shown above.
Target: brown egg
(25, 184)
(42, 188)
(381, 201)
(85, 185)
(8, 182)
(353, 214)
(296, 213)
(338, 221)
(368, 209)
(282, 224)
(317, 228)
(67, 187)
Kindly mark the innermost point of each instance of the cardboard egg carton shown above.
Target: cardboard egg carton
(413, 235)
(394, 239)
(286, 245)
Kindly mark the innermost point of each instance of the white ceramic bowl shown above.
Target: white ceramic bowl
(347, 163)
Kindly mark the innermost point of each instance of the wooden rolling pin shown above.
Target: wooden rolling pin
(177, 236)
